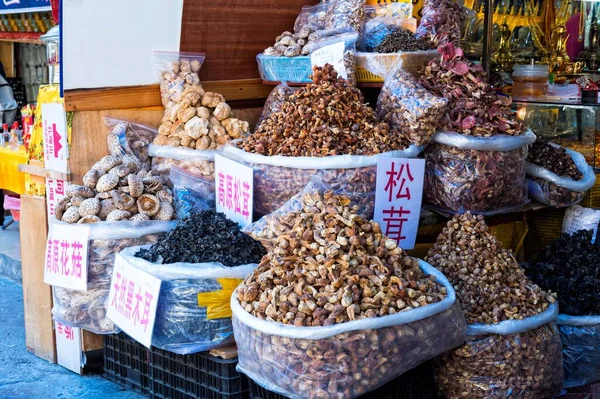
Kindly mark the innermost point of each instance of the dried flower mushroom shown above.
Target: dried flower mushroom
(489, 284)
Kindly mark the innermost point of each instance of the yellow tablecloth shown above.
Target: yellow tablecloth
(10, 177)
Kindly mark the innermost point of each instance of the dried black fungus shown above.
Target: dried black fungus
(206, 236)
(402, 40)
(555, 159)
(570, 266)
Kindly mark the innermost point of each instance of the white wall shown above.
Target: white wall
(111, 42)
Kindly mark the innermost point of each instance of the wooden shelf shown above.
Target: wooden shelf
(149, 96)
(43, 172)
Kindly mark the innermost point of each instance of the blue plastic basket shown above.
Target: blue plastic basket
(284, 69)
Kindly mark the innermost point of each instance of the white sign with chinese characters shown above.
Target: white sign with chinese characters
(132, 300)
(56, 148)
(398, 198)
(333, 55)
(235, 187)
(67, 256)
(68, 347)
(55, 191)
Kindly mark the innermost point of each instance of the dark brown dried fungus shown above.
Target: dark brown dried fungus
(555, 159)
(206, 236)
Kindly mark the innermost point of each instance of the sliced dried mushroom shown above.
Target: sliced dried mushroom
(148, 204)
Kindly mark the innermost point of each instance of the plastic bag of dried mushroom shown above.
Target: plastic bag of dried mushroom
(192, 193)
(276, 98)
(129, 138)
(346, 14)
(557, 176)
(349, 40)
(200, 262)
(580, 336)
(322, 129)
(483, 175)
(411, 111)
(311, 18)
(335, 309)
(513, 349)
(87, 309)
(201, 163)
(193, 118)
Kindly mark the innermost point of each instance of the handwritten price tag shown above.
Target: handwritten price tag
(67, 256)
(398, 197)
(132, 300)
(235, 187)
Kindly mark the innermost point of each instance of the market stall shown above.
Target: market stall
(347, 196)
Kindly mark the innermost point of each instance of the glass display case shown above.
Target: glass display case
(572, 124)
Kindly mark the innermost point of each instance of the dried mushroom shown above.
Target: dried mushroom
(489, 284)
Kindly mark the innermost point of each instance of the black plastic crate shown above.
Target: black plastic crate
(414, 384)
(194, 376)
(127, 362)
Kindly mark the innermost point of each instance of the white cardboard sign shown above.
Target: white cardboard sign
(332, 54)
(132, 301)
(67, 256)
(56, 148)
(68, 347)
(235, 190)
(398, 198)
(55, 191)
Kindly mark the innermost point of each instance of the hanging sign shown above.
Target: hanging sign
(18, 6)
(54, 125)
(235, 186)
(55, 191)
(398, 196)
(333, 55)
(67, 256)
(132, 301)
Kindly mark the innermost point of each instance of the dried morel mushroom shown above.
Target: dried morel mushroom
(327, 265)
(489, 284)
(555, 159)
(474, 108)
(570, 266)
(327, 117)
(203, 237)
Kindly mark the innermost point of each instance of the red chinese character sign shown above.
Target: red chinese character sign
(235, 186)
(56, 148)
(67, 256)
(132, 300)
(398, 198)
(55, 191)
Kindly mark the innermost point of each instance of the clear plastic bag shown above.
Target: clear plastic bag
(580, 218)
(349, 359)
(279, 178)
(407, 107)
(522, 365)
(349, 40)
(548, 188)
(176, 70)
(311, 17)
(278, 96)
(397, 11)
(197, 162)
(442, 22)
(346, 14)
(129, 138)
(188, 318)
(580, 337)
(477, 174)
(191, 193)
(379, 28)
(87, 309)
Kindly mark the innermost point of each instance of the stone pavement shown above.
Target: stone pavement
(25, 376)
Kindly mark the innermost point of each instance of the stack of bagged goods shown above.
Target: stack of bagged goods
(194, 119)
(322, 129)
(557, 176)
(116, 189)
(331, 311)
(570, 266)
(513, 348)
(477, 162)
(200, 262)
